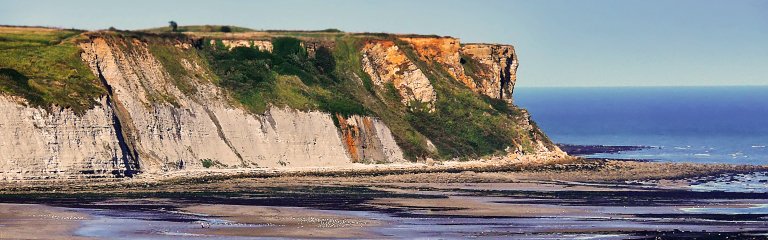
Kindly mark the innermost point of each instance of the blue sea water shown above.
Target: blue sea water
(685, 124)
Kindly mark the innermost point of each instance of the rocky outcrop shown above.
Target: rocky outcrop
(262, 45)
(313, 45)
(543, 147)
(495, 68)
(386, 63)
(368, 140)
(442, 50)
(266, 45)
(489, 69)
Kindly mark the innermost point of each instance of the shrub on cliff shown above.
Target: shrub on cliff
(284, 77)
(324, 60)
(243, 69)
(288, 47)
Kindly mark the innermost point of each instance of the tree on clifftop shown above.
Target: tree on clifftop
(173, 25)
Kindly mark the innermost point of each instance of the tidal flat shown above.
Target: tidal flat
(583, 199)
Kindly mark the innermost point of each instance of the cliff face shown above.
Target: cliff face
(485, 68)
(442, 50)
(203, 125)
(40, 144)
(495, 67)
(166, 110)
(386, 63)
(368, 140)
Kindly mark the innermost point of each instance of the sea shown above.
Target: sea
(679, 124)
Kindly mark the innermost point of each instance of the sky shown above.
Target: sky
(560, 43)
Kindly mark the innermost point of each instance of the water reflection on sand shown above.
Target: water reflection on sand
(456, 211)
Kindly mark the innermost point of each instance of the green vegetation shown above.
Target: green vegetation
(324, 60)
(208, 163)
(171, 57)
(348, 63)
(198, 28)
(289, 48)
(44, 67)
(286, 77)
(15, 83)
(472, 67)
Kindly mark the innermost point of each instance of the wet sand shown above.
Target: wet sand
(471, 207)
(33, 221)
(577, 199)
(286, 222)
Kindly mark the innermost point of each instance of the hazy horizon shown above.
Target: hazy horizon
(593, 43)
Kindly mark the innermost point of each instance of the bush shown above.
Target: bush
(207, 163)
(324, 60)
(283, 78)
(288, 47)
(226, 29)
(243, 70)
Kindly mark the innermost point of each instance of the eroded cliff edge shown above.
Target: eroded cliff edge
(171, 102)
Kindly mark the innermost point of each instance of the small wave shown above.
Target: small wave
(758, 146)
(597, 236)
(181, 234)
(702, 154)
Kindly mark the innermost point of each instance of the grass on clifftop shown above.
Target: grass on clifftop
(200, 28)
(287, 77)
(44, 67)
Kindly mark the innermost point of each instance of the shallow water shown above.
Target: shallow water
(129, 225)
(685, 124)
(754, 182)
(587, 214)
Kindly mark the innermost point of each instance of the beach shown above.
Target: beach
(601, 199)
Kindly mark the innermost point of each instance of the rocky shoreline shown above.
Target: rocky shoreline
(563, 169)
(583, 150)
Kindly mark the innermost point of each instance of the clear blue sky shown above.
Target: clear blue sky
(560, 42)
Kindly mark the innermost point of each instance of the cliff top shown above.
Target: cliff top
(230, 32)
